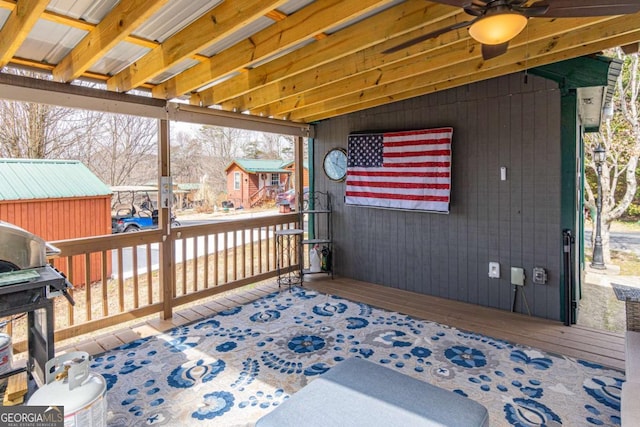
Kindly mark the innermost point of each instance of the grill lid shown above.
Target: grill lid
(20, 249)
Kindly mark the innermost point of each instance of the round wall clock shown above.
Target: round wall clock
(335, 164)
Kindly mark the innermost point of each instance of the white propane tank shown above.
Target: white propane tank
(6, 353)
(70, 384)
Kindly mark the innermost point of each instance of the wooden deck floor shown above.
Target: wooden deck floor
(601, 347)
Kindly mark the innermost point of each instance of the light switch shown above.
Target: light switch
(517, 276)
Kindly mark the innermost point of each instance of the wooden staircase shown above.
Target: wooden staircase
(264, 194)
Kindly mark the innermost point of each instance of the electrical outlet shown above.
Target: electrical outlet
(494, 270)
(539, 276)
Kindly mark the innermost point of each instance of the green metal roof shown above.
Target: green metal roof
(584, 71)
(593, 77)
(305, 163)
(24, 179)
(261, 165)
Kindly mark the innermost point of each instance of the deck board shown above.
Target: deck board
(606, 348)
(603, 347)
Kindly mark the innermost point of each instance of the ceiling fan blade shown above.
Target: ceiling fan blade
(472, 7)
(630, 49)
(462, 3)
(492, 50)
(533, 11)
(585, 8)
(428, 36)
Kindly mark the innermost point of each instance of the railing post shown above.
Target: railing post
(167, 274)
(299, 185)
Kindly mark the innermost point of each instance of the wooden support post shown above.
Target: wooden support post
(167, 266)
(299, 179)
(299, 184)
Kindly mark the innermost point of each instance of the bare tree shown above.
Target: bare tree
(125, 150)
(275, 146)
(117, 148)
(188, 158)
(220, 146)
(620, 136)
(252, 150)
(39, 131)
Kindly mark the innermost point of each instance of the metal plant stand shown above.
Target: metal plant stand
(288, 243)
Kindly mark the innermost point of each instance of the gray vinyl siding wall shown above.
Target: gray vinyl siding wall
(500, 122)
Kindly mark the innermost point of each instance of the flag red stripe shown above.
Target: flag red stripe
(409, 165)
(397, 185)
(418, 153)
(438, 141)
(397, 196)
(403, 174)
(418, 132)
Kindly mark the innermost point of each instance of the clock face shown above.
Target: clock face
(335, 164)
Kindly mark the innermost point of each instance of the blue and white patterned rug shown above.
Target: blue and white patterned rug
(233, 368)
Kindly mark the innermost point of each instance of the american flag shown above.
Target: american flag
(400, 170)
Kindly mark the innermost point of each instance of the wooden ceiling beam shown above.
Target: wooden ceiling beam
(400, 19)
(296, 28)
(441, 79)
(574, 44)
(349, 107)
(30, 64)
(369, 66)
(17, 27)
(333, 72)
(123, 19)
(213, 26)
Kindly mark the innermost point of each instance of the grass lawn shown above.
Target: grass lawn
(623, 226)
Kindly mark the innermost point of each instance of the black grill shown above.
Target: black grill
(28, 288)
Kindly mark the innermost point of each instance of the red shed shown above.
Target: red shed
(56, 200)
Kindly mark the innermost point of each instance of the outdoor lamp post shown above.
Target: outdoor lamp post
(599, 155)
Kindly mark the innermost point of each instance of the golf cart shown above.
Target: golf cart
(133, 209)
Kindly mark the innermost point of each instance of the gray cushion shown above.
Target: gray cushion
(632, 355)
(360, 393)
(630, 407)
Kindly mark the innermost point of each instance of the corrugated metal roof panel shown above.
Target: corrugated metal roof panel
(4, 15)
(119, 58)
(261, 165)
(364, 16)
(176, 69)
(244, 33)
(173, 17)
(256, 26)
(305, 163)
(24, 179)
(49, 42)
(282, 53)
(218, 81)
(92, 11)
(293, 6)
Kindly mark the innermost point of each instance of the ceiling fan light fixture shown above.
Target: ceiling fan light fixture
(497, 28)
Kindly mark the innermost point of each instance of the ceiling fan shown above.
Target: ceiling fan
(496, 22)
